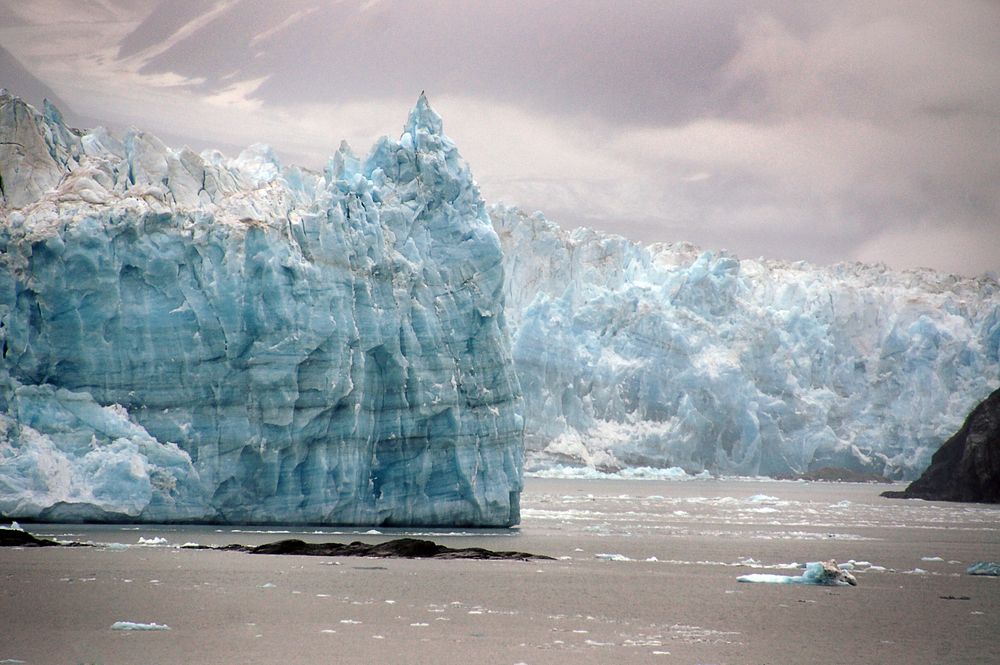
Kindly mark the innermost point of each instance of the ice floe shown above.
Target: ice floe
(824, 573)
(132, 625)
(984, 568)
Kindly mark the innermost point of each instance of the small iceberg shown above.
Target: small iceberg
(132, 625)
(611, 556)
(824, 573)
(984, 568)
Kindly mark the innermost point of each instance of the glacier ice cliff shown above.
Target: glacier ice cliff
(187, 337)
(662, 356)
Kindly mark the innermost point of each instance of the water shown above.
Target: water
(644, 571)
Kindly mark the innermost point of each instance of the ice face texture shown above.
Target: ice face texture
(667, 356)
(186, 337)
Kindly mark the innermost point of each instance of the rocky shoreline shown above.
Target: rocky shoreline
(399, 548)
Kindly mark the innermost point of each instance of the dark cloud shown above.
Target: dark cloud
(650, 62)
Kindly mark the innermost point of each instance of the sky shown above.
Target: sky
(795, 130)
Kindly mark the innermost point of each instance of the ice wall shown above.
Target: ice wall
(664, 355)
(190, 337)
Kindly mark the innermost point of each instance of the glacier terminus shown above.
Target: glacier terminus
(187, 337)
(191, 337)
(648, 359)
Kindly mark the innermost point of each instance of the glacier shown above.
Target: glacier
(189, 337)
(664, 356)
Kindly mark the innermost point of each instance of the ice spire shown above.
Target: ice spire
(343, 165)
(423, 117)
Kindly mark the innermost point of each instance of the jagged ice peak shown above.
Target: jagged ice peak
(188, 337)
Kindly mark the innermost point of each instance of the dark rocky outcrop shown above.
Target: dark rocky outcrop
(18, 538)
(967, 466)
(400, 548)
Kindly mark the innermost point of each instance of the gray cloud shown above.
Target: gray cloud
(646, 61)
(24, 83)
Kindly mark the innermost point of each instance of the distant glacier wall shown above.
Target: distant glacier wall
(187, 337)
(666, 356)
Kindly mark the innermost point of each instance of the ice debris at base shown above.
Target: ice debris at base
(984, 568)
(631, 473)
(132, 625)
(825, 573)
(664, 355)
(186, 337)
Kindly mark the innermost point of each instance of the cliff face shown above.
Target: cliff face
(967, 466)
(187, 337)
(633, 356)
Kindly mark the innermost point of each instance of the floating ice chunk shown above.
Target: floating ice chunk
(132, 625)
(14, 526)
(762, 498)
(612, 557)
(825, 573)
(155, 540)
(984, 568)
(931, 558)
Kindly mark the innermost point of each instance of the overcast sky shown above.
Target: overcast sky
(823, 131)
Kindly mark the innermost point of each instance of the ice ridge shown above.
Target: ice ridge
(187, 337)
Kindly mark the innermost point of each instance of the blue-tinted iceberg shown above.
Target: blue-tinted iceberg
(190, 337)
(665, 356)
(988, 568)
(823, 573)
